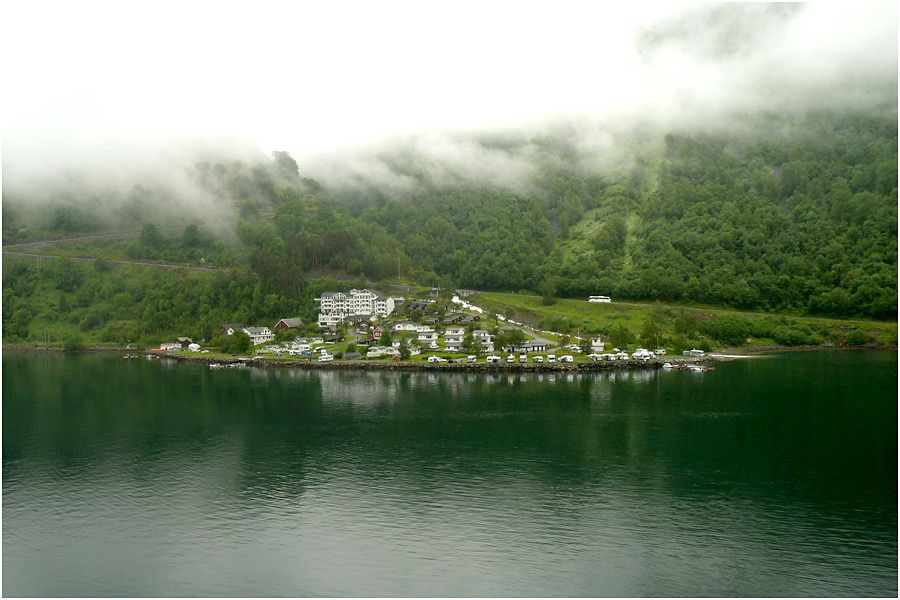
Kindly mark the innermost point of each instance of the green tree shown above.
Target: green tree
(73, 342)
(620, 336)
(238, 343)
(547, 290)
(469, 344)
(150, 237)
(856, 338)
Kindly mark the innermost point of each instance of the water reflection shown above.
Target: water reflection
(186, 481)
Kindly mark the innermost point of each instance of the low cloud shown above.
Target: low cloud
(406, 93)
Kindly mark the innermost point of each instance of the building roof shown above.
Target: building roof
(235, 326)
(528, 343)
(257, 330)
(291, 322)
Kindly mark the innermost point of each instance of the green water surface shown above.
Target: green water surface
(772, 476)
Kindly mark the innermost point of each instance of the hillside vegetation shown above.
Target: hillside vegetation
(683, 327)
(792, 215)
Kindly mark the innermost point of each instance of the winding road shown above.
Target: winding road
(11, 250)
(110, 261)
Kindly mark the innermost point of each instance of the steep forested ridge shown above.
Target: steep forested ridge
(803, 219)
(784, 214)
(793, 214)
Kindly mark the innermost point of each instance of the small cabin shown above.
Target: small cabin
(286, 324)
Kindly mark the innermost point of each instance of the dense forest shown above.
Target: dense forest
(71, 302)
(785, 214)
(794, 215)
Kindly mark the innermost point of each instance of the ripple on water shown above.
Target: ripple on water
(386, 484)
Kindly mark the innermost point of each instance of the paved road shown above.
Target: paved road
(114, 262)
(81, 238)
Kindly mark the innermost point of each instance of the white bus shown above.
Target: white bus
(604, 299)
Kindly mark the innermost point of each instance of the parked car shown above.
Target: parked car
(436, 359)
(510, 358)
(493, 359)
(471, 358)
(551, 358)
(567, 358)
(523, 358)
(538, 359)
(326, 358)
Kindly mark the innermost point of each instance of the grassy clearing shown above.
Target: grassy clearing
(682, 326)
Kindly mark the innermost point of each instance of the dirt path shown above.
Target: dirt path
(110, 261)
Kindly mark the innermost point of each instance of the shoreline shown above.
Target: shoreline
(385, 365)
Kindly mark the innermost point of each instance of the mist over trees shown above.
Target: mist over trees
(792, 213)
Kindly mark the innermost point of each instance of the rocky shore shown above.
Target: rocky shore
(444, 367)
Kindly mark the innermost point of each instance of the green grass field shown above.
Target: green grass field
(582, 317)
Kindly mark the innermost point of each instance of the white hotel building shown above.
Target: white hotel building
(336, 307)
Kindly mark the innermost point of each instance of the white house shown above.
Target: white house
(528, 346)
(453, 338)
(405, 326)
(377, 351)
(170, 346)
(259, 335)
(231, 328)
(428, 336)
(597, 345)
(484, 338)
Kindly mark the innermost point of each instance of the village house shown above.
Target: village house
(528, 346)
(286, 324)
(427, 335)
(259, 335)
(484, 338)
(405, 326)
(452, 319)
(378, 351)
(419, 305)
(453, 338)
(231, 328)
(597, 344)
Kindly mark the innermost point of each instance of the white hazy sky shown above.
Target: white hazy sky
(310, 77)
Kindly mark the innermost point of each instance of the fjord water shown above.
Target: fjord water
(773, 476)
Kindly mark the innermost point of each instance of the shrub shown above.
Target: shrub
(857, 337)
(791, 336)
(239, 343)
(73, 342)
